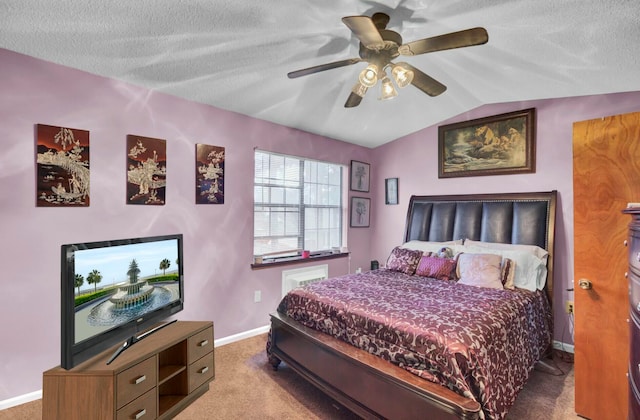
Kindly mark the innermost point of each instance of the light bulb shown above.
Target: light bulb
(402, 76)
(359, 89)
(388, 91)
(369, 76)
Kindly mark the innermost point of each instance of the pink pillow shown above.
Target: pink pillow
(437, 268)
(481, 270)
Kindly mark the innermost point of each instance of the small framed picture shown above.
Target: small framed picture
(391, 191)
(359, 176)
(360, 211)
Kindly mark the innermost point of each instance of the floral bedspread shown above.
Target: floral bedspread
(481, 343)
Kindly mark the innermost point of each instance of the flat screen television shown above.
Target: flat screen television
(113, 290)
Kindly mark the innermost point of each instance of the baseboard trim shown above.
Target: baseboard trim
(559, 345)
(241, 336)
(20, 399)
(36, 395)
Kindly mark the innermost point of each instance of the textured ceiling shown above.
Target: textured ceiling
(235, 55)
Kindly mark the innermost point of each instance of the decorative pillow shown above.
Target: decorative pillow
(481, 270)
(404, 260)
(533, 249)
(436, 267)
(530, 271)
(507, 273)
(426, 246)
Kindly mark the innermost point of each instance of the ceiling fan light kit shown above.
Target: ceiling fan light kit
(379, 46)
(369, 76)
(388, 90)
(401, 75)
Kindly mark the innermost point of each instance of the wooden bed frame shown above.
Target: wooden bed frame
(374, 388)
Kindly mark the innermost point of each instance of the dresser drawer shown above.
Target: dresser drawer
(634, 250)
(634, 401)
(143, 408)
(135, 381)
(201, 371)
(200, 344)
(634, 356)
(634, 293)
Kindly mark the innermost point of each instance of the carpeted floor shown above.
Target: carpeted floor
(245, 386)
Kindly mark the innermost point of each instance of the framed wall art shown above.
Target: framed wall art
(496, 145)
(391, 191)
(359, 176)
(146, 170)
(62, 167)
(360, 211)
(209, 174)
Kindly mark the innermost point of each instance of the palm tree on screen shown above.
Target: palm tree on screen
(79, 281)
(164, 264)
(94, 278)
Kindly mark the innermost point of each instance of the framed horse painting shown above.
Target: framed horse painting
(496, 145)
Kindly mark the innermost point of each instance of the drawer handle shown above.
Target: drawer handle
(203, 343)
(140, 379)
(638, 256)
(140, 413)
(204, 369)
(625, 242)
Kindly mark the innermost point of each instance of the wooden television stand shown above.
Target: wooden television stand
(157, 377)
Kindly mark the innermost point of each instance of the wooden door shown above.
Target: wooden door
(606, 176)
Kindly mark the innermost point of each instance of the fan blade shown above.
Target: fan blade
(353, 100)
(364, 28)
(425, 83)
(322, 67)
(466, 38)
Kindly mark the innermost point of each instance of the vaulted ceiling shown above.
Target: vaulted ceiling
(235, 55)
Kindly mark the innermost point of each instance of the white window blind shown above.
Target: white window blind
(297, 204)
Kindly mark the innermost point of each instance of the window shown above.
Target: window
(298, 204)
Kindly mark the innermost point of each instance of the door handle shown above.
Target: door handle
(584, 284)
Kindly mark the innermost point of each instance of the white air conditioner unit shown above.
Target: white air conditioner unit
(301, 276)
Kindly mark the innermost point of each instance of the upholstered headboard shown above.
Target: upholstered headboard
(515, 218)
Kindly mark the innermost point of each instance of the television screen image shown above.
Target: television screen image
(111, 290)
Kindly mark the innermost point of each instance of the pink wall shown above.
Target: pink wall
(413, 159)
(218, 250)
(219, 282)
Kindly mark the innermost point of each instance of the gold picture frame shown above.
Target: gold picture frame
(497, 145)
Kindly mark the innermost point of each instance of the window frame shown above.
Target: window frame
(302, 207)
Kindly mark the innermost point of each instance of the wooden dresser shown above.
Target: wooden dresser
(634, 312)
(154, 379)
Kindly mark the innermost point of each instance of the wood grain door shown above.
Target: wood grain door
(606, 176)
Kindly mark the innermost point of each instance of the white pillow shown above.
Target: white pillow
(481, 270)
(531, 271)
(426, 246)
(533, 249)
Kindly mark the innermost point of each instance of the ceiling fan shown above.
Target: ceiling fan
(379, 46)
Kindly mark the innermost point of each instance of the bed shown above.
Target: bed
(466, 378)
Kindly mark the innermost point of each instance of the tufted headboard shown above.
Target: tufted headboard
(515, 218)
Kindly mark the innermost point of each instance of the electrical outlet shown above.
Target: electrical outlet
(568, 306)
(257, 296)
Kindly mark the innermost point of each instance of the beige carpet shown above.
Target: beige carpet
(245, 386)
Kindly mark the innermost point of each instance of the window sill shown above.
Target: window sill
(297, 260)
